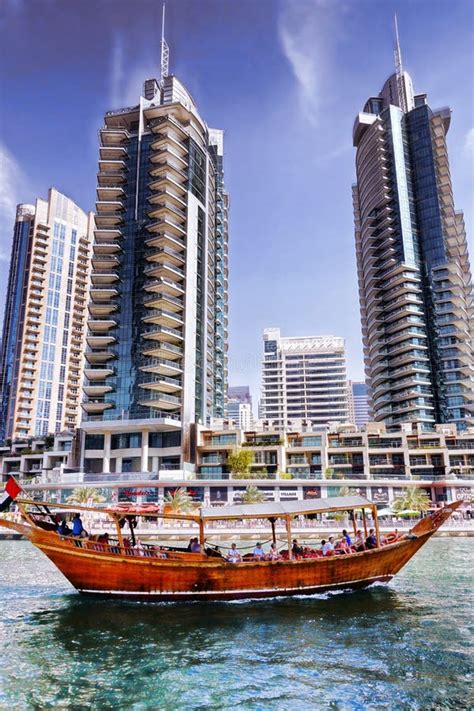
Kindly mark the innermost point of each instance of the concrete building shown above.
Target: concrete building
(157, 339)
(358, 404)
(415, 283)
(43, 341)
(303, 379)
(239, 406)
(304, 464)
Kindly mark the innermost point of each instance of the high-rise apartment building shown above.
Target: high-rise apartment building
(358, 404)
(43, 342)
(303, 379)
(157, 339)
(239, 406)
(415, 283)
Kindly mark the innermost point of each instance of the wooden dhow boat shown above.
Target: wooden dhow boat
(122, 566)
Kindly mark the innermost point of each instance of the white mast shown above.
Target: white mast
(165, 52)
(402, 97)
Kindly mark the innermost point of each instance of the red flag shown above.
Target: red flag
(11, 491)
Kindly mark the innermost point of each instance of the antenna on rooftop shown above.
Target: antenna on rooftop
(399, 70)
(165, 50)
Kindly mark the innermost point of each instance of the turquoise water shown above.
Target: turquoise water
(401, 646)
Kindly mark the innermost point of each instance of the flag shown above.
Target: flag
(11, 491)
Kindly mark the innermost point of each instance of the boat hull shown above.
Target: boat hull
(156, 579)
(96, 569)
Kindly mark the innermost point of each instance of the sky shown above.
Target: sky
(285, 80)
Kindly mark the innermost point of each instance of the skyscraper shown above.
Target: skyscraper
(303, 379)
(43, 342)
(414, 276)
(239, 406)
(157, 340)
(358, 405)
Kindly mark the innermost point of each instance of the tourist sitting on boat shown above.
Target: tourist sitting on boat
(190, 544)
(342, 547)
(77, 527)
(63, 529)
(195, 546)
(233, 556)
(327, 547)
(296, 549)
(258, 552)
(371, 540)
(273, 553)
(347, 537)
(359, 544)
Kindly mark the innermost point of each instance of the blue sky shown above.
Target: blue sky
(284, 80)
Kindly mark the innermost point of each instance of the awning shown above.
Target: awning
(285, 508)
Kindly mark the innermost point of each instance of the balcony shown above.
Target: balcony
(169, 180)
(100, 278)
(94, 406)
(104, 262)
(107, 234)
(98, 372)
(99, 356)
(101, 325)
(112, 153)
(113, 136)
(164, 207)
(110, 192)
(167, 286)
(103, 294)
(161, 366)
(108, 221)
(164, 269)
(164, 384)
(174, 257)
(168, 193)
(167, 223)
(168, 302)
(163, 318)
(160, 349)
(97, 389)
(102, 309)
(99, 342)
(161, 400)
(163, 333)
(167, 138)
(165, 168)
(166, 239)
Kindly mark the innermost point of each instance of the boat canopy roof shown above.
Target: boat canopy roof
(270, 509)
(280, 509)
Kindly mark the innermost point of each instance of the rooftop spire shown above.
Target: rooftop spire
(399, 70)
(165, 51)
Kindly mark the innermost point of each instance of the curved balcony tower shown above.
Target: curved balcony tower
(414, 277)
(157, 330)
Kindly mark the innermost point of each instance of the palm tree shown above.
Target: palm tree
(413, 500)
(179, 501)
(84, 495)
(252, 495)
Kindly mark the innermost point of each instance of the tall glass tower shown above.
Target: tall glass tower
(157, 335)
(414, 276)
(43, 340)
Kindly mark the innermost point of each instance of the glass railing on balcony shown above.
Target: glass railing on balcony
(166, 297)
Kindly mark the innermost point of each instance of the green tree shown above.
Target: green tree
(252, 495)
(413, 500)
(284, 475)
(239, 461)
(179, 501)
(83, 494)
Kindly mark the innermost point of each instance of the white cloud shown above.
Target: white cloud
(12, 191)
(307, 30)
(469, 140)
(126, 85)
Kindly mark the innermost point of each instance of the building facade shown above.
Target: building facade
(239, 406)
(358, 403)
(414, 276)
(303, 379)
(157, 339)
(375, 463)
(43, 341)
